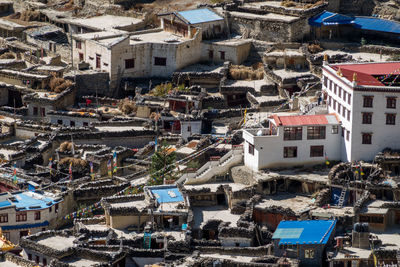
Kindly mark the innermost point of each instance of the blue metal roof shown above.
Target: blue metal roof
(200, 15)
(167, 195)
(364, 23)
(376, 24)
(25, 226)
(29, 201)
(304, 232)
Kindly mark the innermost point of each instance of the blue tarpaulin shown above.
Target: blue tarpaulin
(200, 15)
(335, 195)
(304, 232)
(167, 195)
(365, 23)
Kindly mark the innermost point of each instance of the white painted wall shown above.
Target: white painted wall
(268, 150)
(195, 128)
(383, 136)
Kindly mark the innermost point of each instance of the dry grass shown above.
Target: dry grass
(127, 106)
(7, 55)
(65, 146)
(27, 15)
(315, 48)
(289, 3)
(58, 85)
(75, 162)
(239, 72)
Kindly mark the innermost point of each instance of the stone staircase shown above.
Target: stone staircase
(213, 168)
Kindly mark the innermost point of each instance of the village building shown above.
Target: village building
(23, 213)
(304, 240)
(73, 118)
(293, 141)
(364, 98)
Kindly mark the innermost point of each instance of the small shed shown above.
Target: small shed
(304, 240)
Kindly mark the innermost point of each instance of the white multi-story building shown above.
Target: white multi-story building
(292, 141)
(364, 97)
(25, 213)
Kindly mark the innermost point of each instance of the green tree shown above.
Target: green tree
(162, 165)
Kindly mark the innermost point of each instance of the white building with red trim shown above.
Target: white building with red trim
(364, 97)
(293, 141)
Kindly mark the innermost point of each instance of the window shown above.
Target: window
(335, 129)
(334, 104)
(348, 115)
(20, 217)
(251, 149)
(340, 92)
(309, 253)
(29, 256)
(72, 123)
(59, 122)
(366, 139)
(343, 130)
(3, 218)
(37, 215)
(85, 124)
(222, 55)
(50, 210)
(335, 89)
(316, 132)
(349, 98)
(56, 208)
(368, 101)
(80, 57)
(329, 100)
(347, 135)
(189, 128)
(290, 152)
(35, 111)
(390, 119)
(366, 118)
(129, 63)
(98, 61)
(44, 262)
(391, 102)
(316, 151)
(37, 259)
(344, 112)
(78, 44)
(160, 61)
(292, 133)
(43, 112)
(210, 54)
(344, 95)
(330, 85)
(338, 108)
(325, 82)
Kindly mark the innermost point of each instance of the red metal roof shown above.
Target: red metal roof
(299, 120)
(365, 71)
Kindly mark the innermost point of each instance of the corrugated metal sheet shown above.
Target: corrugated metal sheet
(300, 120)
(364, 23)
(304, 232)
(200, 15)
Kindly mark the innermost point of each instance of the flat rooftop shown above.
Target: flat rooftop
(298, 204)
(204, 214)
(57, 242)
(79, 262)
(119, 128)
(267, 17)
(161, 37)
(106, 22)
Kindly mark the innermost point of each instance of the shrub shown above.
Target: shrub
(58, 85)
(66, 146)
(315, 48)
(76, 163)
(127, 106)
(7, 55)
